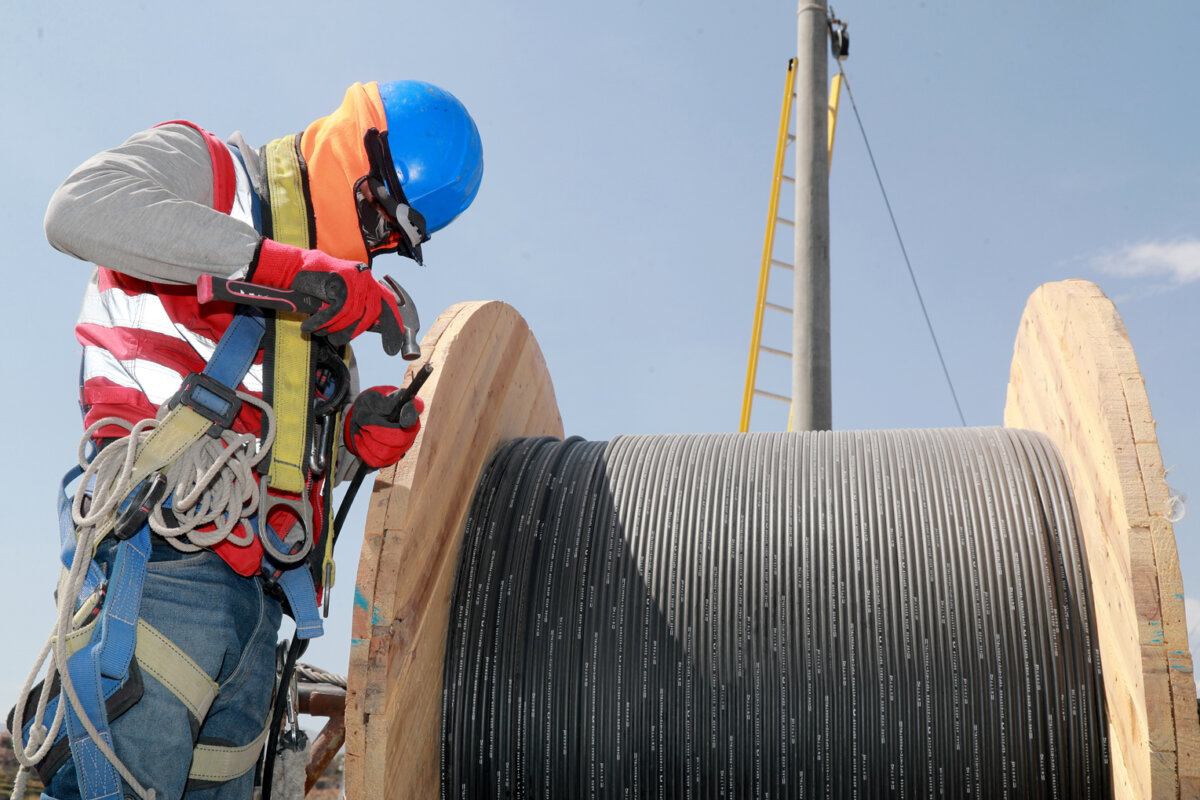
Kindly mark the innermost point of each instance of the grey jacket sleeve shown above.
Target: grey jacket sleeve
(145, 209)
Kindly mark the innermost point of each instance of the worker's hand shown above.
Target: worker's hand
(354, 299)
(374, 429)
(354, 302)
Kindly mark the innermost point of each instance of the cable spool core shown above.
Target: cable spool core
(786, 615)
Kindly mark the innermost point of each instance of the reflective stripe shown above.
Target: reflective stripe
(156, 381)
(115, 308)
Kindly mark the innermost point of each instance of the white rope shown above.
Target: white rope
(214, 482)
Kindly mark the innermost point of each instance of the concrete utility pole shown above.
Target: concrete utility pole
(812, 394)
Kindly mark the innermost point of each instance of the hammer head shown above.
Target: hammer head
(409, 349)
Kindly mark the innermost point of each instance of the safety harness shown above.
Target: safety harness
(101, 647)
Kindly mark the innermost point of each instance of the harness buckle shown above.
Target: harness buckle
(209, 398)
(274, 544)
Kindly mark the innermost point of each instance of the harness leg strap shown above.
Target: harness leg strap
(107, 655)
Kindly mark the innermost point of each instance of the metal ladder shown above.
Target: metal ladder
(769, 262)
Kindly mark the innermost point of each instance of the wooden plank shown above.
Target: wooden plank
(386, 478)
(1188, 743)
(490, 385)
(1103, 459)
(1075, 377)
(420, 542)
(361, 628)
(1161, 535)
(1042, 381)
(380, 624)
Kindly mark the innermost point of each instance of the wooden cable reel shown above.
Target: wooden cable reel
(1073, 377)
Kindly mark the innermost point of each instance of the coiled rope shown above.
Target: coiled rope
(825, 614)
(212, 482)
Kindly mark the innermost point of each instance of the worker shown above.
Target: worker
(174, 389)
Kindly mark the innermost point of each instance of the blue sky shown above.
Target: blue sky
(628, 150)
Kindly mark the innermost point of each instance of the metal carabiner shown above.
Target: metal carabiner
(322, 444)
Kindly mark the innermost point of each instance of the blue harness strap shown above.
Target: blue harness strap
(235, 352)
(66, 536)
(102, 666)
(298, 587)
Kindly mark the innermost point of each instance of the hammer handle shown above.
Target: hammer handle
(210, 288)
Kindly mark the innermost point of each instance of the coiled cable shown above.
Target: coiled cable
(833, 614)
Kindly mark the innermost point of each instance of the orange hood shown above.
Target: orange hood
(336, 159)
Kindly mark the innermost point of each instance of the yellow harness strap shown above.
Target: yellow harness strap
(213, 762)
(292, 353)
(174, 669)
(159, 656)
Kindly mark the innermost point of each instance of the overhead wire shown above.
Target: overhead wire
(903, 250)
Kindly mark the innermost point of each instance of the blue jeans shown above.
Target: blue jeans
(225, 623)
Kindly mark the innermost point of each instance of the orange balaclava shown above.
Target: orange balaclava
(336, 159)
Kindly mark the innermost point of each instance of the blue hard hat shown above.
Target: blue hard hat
(435, 148)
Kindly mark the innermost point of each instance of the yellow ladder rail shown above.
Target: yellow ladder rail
(773, 221)
(768, 244)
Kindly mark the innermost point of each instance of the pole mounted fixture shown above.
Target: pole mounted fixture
(839, 39)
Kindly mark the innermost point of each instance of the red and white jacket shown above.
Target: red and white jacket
(141, 338)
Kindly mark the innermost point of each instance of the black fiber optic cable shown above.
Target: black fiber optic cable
(872, 614)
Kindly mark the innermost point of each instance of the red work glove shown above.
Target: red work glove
(355, 300)
(372, 430)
